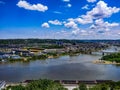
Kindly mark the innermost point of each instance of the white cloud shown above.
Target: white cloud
(95, 18)
(38, 7)
(45, 25)
(85, 7)
(66, 0)
(91, 1)
(101, 25)
(84, 32)
(71, 24)
(76, 31)
(84, 19)
(57, 12)
(102, 10)
(69, 5)
(80, 32)
(55, 22)
(70, 19)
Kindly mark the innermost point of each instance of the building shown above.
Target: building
(15, 57)
(1, 55)
(2, 85)
(4, 55)
(22, 52)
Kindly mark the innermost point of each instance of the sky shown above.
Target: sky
(60, 19)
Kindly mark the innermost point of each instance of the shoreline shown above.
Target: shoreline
(28, 59)
(105, 62)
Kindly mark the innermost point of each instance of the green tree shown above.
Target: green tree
(75, 89)
(100, 87)
(18, 87)
(82, 87)
(44, 84)
(116, 87)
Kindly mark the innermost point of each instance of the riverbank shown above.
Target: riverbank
(104, 62)
(39, 57)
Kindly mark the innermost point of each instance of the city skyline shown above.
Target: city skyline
(60, 19)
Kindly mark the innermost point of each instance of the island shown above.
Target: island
(113, 58)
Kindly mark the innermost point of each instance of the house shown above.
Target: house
(15, 57)
(49, 50)
(53, 51)
(1, 55)
(4, 55)
(22, 52)
(2, 85)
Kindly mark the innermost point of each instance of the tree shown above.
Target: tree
(75, 89)
(82, 87)
(44, 84)
(100, 87)
(116, 88)
(18, 87)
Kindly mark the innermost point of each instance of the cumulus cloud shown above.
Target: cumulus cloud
(91, 1)
(80, 32)
(66, 0)
(75, 31)
(101, 25)
(84, 19)
(71, 24)
(85, 7)
(95, 18)
(55, 22)
(69, 5)
(38, 7)
(102, 10)
(45, 25)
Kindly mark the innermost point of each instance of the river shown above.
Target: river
(66, 67)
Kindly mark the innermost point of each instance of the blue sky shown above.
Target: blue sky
(60, 19)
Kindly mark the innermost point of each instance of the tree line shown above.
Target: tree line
(45, 84)
(115, 57)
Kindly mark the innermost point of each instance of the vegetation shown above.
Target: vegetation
(37, 57)
(107, 86)
(42, 84)
(100, 87)
(12, 60)
(112, 57)
(45, 84)
(104, 86)
(29, 41)
(18, 87)
(75, 89)
(82, 87)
